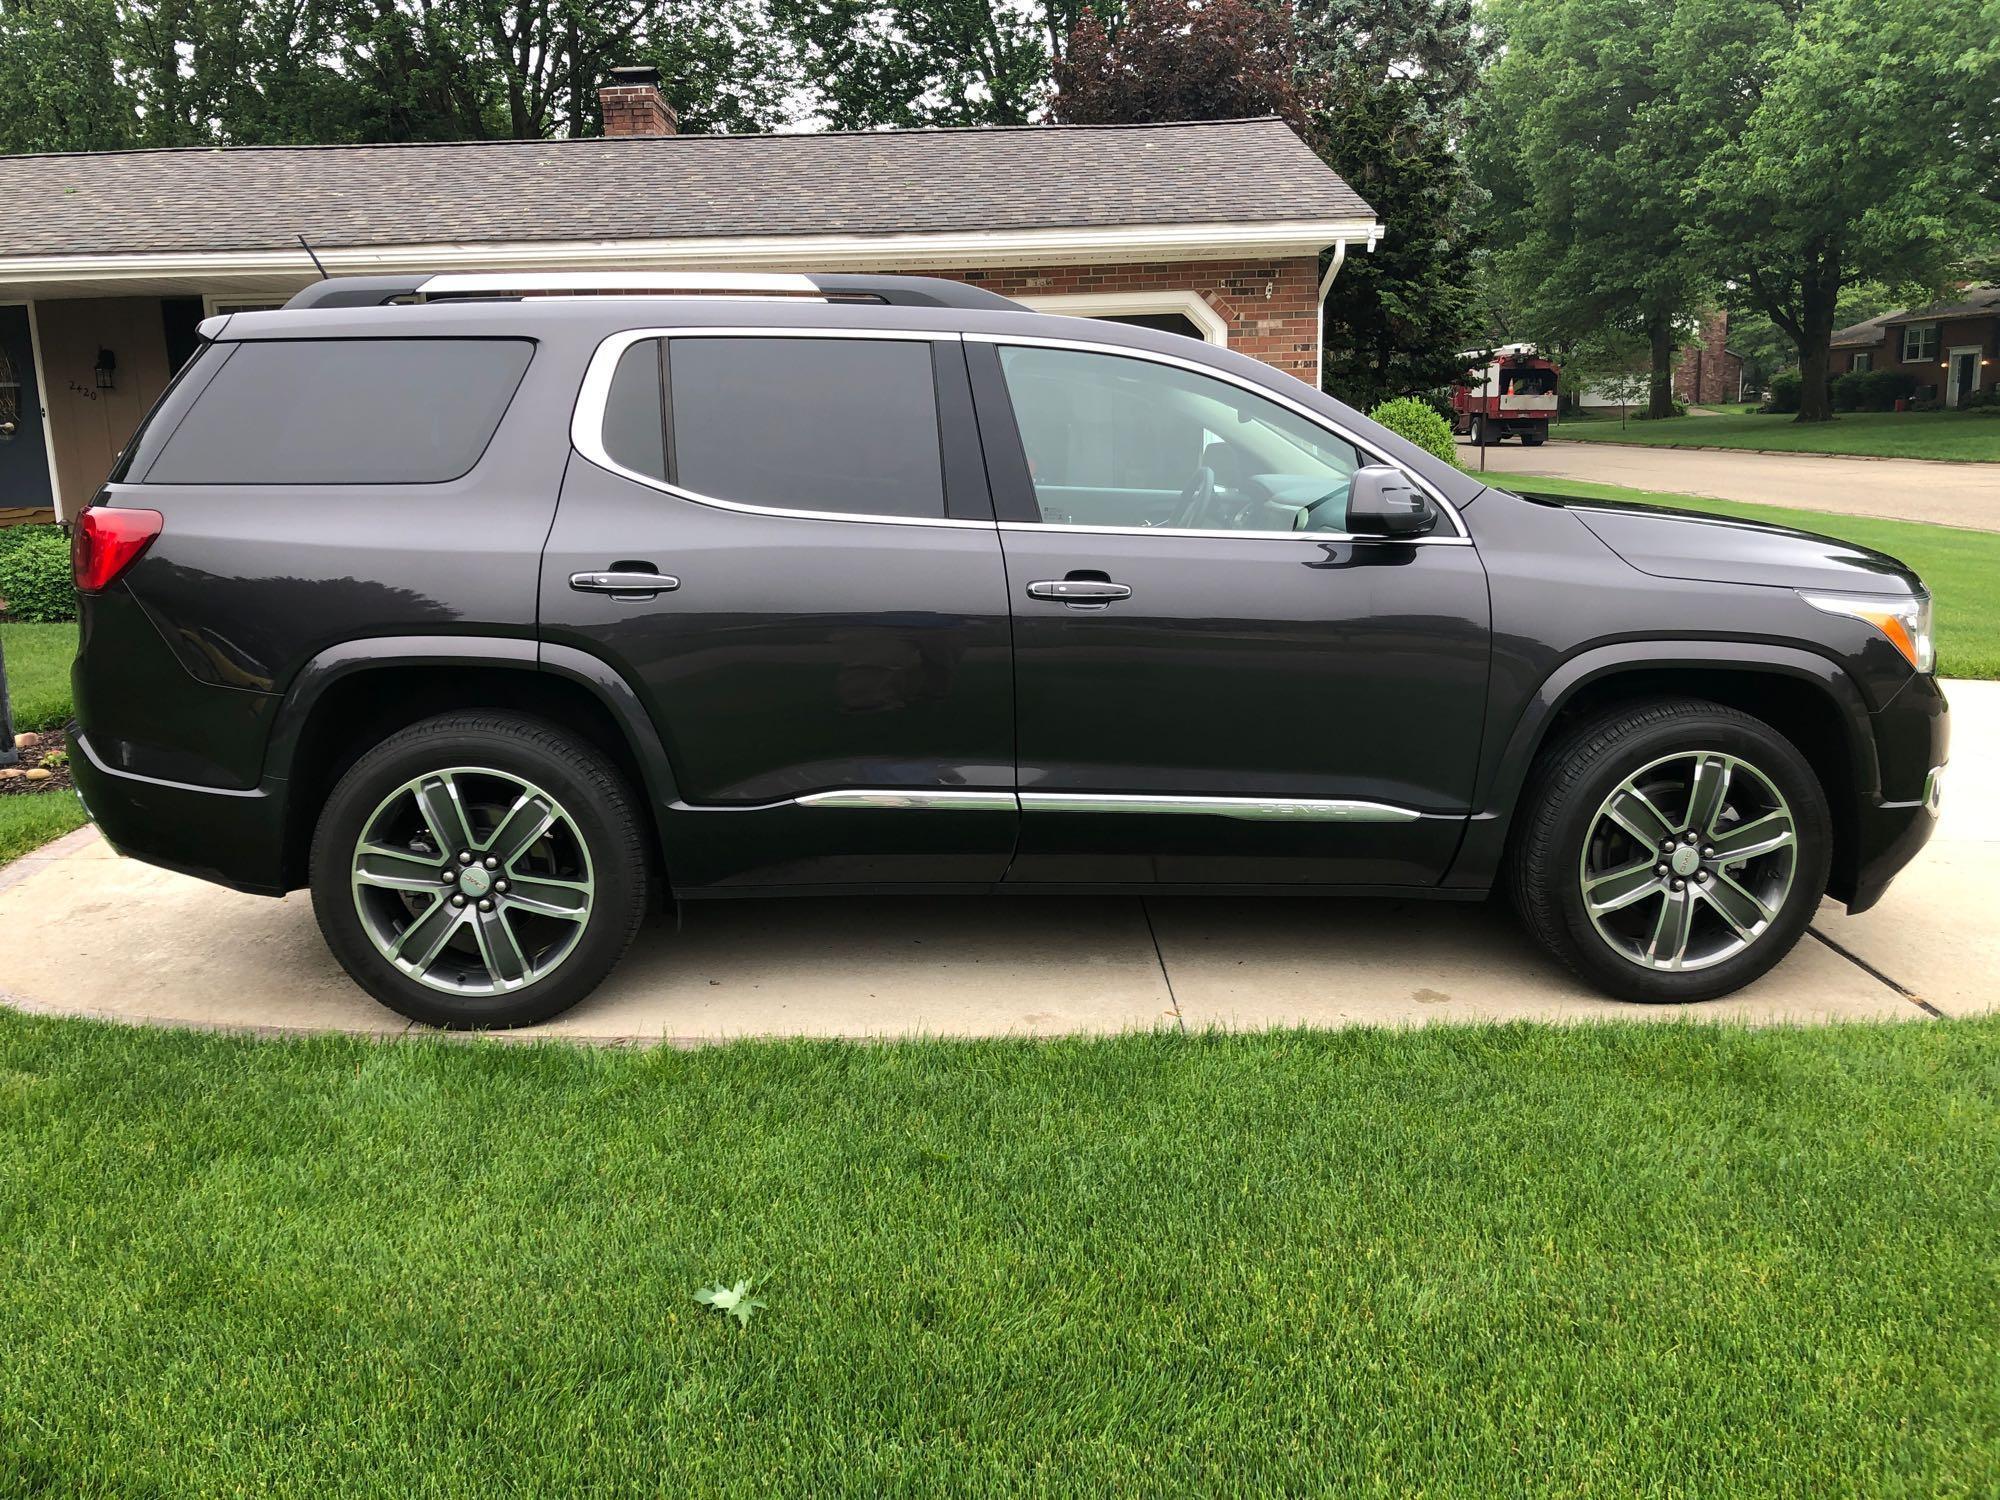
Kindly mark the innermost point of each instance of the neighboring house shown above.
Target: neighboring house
(1951, 348)
(109, 261)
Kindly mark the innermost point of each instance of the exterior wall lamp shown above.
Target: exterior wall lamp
(107, 369)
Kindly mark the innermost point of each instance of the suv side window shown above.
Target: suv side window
(832, 424)
(344, 411)
(1127, 442)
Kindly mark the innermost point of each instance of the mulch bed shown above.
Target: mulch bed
(48, 753)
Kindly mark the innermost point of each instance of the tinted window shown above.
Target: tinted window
(345, 411)
(634, 425)
(808, 424)
(1112, 441)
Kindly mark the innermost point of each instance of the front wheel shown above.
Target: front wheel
(479, 870)
(1671, 851)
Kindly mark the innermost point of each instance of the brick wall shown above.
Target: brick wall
(1708, 374)
(1269, 306)
(636, 109)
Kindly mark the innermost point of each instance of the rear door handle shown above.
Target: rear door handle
(624, 583)
(1079, 593)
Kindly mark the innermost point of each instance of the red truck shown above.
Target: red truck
(1512, 395)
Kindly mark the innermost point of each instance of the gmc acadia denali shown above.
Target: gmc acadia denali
(492, 608)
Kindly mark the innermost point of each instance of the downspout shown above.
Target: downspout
(1319, 338)
(1325, 285)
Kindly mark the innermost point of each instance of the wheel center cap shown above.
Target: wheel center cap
(474, 881)
(1687, 859)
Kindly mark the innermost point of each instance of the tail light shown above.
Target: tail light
(107, 541)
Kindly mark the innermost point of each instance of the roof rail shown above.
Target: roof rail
(896, 291)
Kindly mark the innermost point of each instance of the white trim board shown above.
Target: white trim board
(1189, 303)
(925, 251)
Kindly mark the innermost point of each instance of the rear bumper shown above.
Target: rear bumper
(234, 838)
(1913, 742)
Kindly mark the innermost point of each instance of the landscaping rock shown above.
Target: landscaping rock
(39, 774)
(27, 739)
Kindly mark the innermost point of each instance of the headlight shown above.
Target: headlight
(1906, 622)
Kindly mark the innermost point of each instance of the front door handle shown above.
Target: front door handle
(1079, 593)
(624, 582)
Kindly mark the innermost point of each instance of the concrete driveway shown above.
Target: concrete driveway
(83, 932)
(1900, 489)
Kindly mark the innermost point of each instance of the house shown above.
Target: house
(109, 261)
(1951, 348)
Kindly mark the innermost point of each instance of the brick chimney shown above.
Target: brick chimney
(630, 99)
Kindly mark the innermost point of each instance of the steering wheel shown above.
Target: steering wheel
(1197, 498)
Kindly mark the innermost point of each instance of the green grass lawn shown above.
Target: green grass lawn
(1593, 1260)
(1880, 434)
(31, 821)
(1961, 568)
(38, 658)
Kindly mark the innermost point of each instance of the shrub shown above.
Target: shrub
(1414, 419)
(1675, 408)
(35, 580)
(1785, 388)
(1872, 390)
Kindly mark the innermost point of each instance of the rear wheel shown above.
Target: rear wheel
(1671, 851)
(479, 870)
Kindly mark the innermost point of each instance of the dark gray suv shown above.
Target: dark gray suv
(495, 607)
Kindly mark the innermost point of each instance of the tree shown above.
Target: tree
(1839, 141)
(56, 72)
(1590, 179)
(1173, 60)
(907, 63)
(1389, 83)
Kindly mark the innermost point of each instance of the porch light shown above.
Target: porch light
(107, 369)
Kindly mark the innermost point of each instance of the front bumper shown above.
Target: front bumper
(1913, 743)
(234, 838)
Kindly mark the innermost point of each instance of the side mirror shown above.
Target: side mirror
(1382, 501)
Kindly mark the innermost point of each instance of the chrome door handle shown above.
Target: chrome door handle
(1086, 592)
(624, 583)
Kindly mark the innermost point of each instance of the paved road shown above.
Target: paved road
(1900, 489)
(83, 932)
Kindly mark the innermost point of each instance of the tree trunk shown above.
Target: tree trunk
(1816, 355)
(1660, 339)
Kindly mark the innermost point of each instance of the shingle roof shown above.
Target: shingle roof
(255, 198)
(1973, 302)
(1857, 334)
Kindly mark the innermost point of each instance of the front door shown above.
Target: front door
(1215, 682)
(826, 655)
(24, 460)
(1961, 374)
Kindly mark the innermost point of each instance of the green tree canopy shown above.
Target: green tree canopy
(1840, 141)
(1589, 176)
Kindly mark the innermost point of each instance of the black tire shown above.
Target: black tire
(1534, 439)
(1560, 806)
(1480, 438)
(599, 818)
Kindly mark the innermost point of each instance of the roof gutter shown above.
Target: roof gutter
(956, 249)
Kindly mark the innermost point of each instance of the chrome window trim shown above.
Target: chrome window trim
(1251, 809)
(586, 428)
(1463, 538)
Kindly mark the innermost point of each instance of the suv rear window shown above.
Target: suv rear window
(832, 424)
(345, 411)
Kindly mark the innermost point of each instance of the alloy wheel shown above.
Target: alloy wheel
(472, 881)
(1688, 861)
